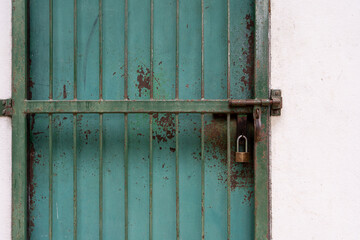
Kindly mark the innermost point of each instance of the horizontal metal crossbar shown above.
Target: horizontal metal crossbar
(133, 106)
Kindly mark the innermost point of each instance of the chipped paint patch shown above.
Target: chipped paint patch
(143, 79)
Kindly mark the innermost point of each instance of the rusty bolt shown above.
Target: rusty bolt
(4, 112)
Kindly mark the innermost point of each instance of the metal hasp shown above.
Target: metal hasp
(275, 102)
(6, 107)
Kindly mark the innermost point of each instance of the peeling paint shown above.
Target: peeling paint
(165, 127)
(143, 79)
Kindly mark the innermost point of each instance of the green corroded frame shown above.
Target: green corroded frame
(22, 107)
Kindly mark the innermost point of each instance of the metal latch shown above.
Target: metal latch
(275, 103)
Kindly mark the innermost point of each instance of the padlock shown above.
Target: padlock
(242, 157)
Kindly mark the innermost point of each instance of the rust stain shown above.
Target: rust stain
(249, 70)
(87, 133)
(31, 184)
(32, 121)
(31, 85)
(64, 91)
(37, 133)
(248, 196)
(241, 175)
(166, 127)
(143, 79)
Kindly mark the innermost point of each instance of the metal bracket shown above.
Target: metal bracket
(275, 96)
(6, 107)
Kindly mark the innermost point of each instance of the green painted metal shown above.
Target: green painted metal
(112, 173)
(138, 106)
(19, 130)
(51, 175)
(261, 161)
(75, 175)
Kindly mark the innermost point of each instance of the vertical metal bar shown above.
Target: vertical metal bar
(177, 51)
(177, 124)
(19, 123)
(126, 147)
(228, 49)
(261, 148)
(75, 126)
(50, 177)
(150, 179)
(228, 179)
(100, 51)
(126, 76)
(75, 49)
(101, 178)
(177, 177)
(51, 49)
(151, 49)
(75, 174)
(202, 178)
(151, 118)
(228, 127)
(202, 51)
(202, 127)
(126, 97)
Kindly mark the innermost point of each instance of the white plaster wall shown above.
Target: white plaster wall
(315, 143)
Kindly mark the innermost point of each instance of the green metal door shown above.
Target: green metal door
(122, 127)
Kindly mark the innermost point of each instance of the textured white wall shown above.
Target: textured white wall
(5, 123)
(315, 143)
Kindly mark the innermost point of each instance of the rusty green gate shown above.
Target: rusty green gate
(122, 122)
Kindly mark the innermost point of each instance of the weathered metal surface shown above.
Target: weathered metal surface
(126, 177)
(135, 106)
(275, 94)
(6, 107)
(257, 125)
(121, 106)
(19, 218)
(261, 153)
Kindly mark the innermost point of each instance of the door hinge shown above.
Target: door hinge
(275, 102)
(6, 107)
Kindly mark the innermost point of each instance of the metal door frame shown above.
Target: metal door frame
(19, 107)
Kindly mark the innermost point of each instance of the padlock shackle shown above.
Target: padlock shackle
(238, 141)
